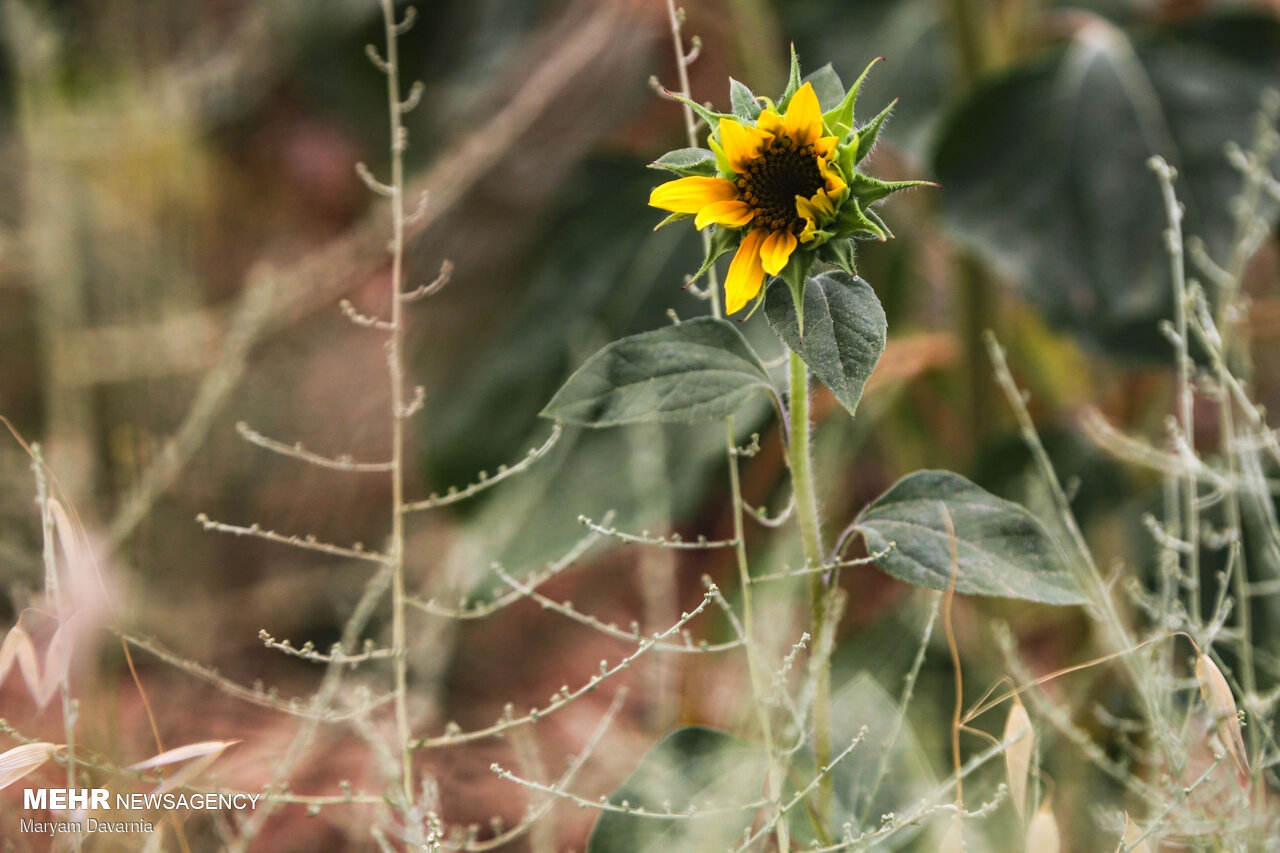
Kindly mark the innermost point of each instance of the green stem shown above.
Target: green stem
(798, 457)
(800, 462)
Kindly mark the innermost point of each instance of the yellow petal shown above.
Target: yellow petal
(777, 250)
(731, 214)
(803, 121)
(770, 122)
(813, 211)
(745, 273)
(690, 195)
(741, 144)
(834, 180)
(818, 207)
(826, 146)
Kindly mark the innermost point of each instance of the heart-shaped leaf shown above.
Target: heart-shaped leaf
(1004, 550)
(844, 331)
(693, 372)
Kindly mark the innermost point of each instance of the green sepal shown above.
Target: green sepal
(874, 218)
(793, 81)
(853, 220)
(711, 117)
(675, 217)
(687, 162)
(868, 190)
(743, 100)
(722, 159)
(820, 237)
(755, 305)
(847, 157)
(839, 253)
(839, 121)
(868, 133)
(795, 274)
(723, 241)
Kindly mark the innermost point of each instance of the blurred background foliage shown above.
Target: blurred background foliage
(179, 214)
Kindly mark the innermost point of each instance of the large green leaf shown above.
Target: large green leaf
(712, 771)
(1004, 550)
(844, 331)
(1045, 167)
(693, 372)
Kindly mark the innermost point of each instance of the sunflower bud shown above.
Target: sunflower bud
(1017, 754)
(1222, 706)
(1042, 832)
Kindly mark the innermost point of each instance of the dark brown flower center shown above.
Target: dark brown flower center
(771, 182)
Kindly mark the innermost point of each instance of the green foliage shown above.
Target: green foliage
(698, 371)
(600, 273)
(699, 767)
(844, 333)
(1044, 166)
(909, 33)
(1004, 550)
(887, 769)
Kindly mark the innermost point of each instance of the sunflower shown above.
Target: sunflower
(783, 186)
(779, 183)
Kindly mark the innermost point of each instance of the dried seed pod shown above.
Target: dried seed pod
(17, 648)
(1017, 755)
(21, 760)
(1222, 706)
(1042, 832)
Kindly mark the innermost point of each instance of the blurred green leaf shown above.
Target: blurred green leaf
(698, 371)
(694, 766)
(600, 272)
(885, 771)
(1004, 550)
(1044, 167)
(908, 33)
(844, 331)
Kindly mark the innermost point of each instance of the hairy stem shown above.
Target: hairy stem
(820, 591)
